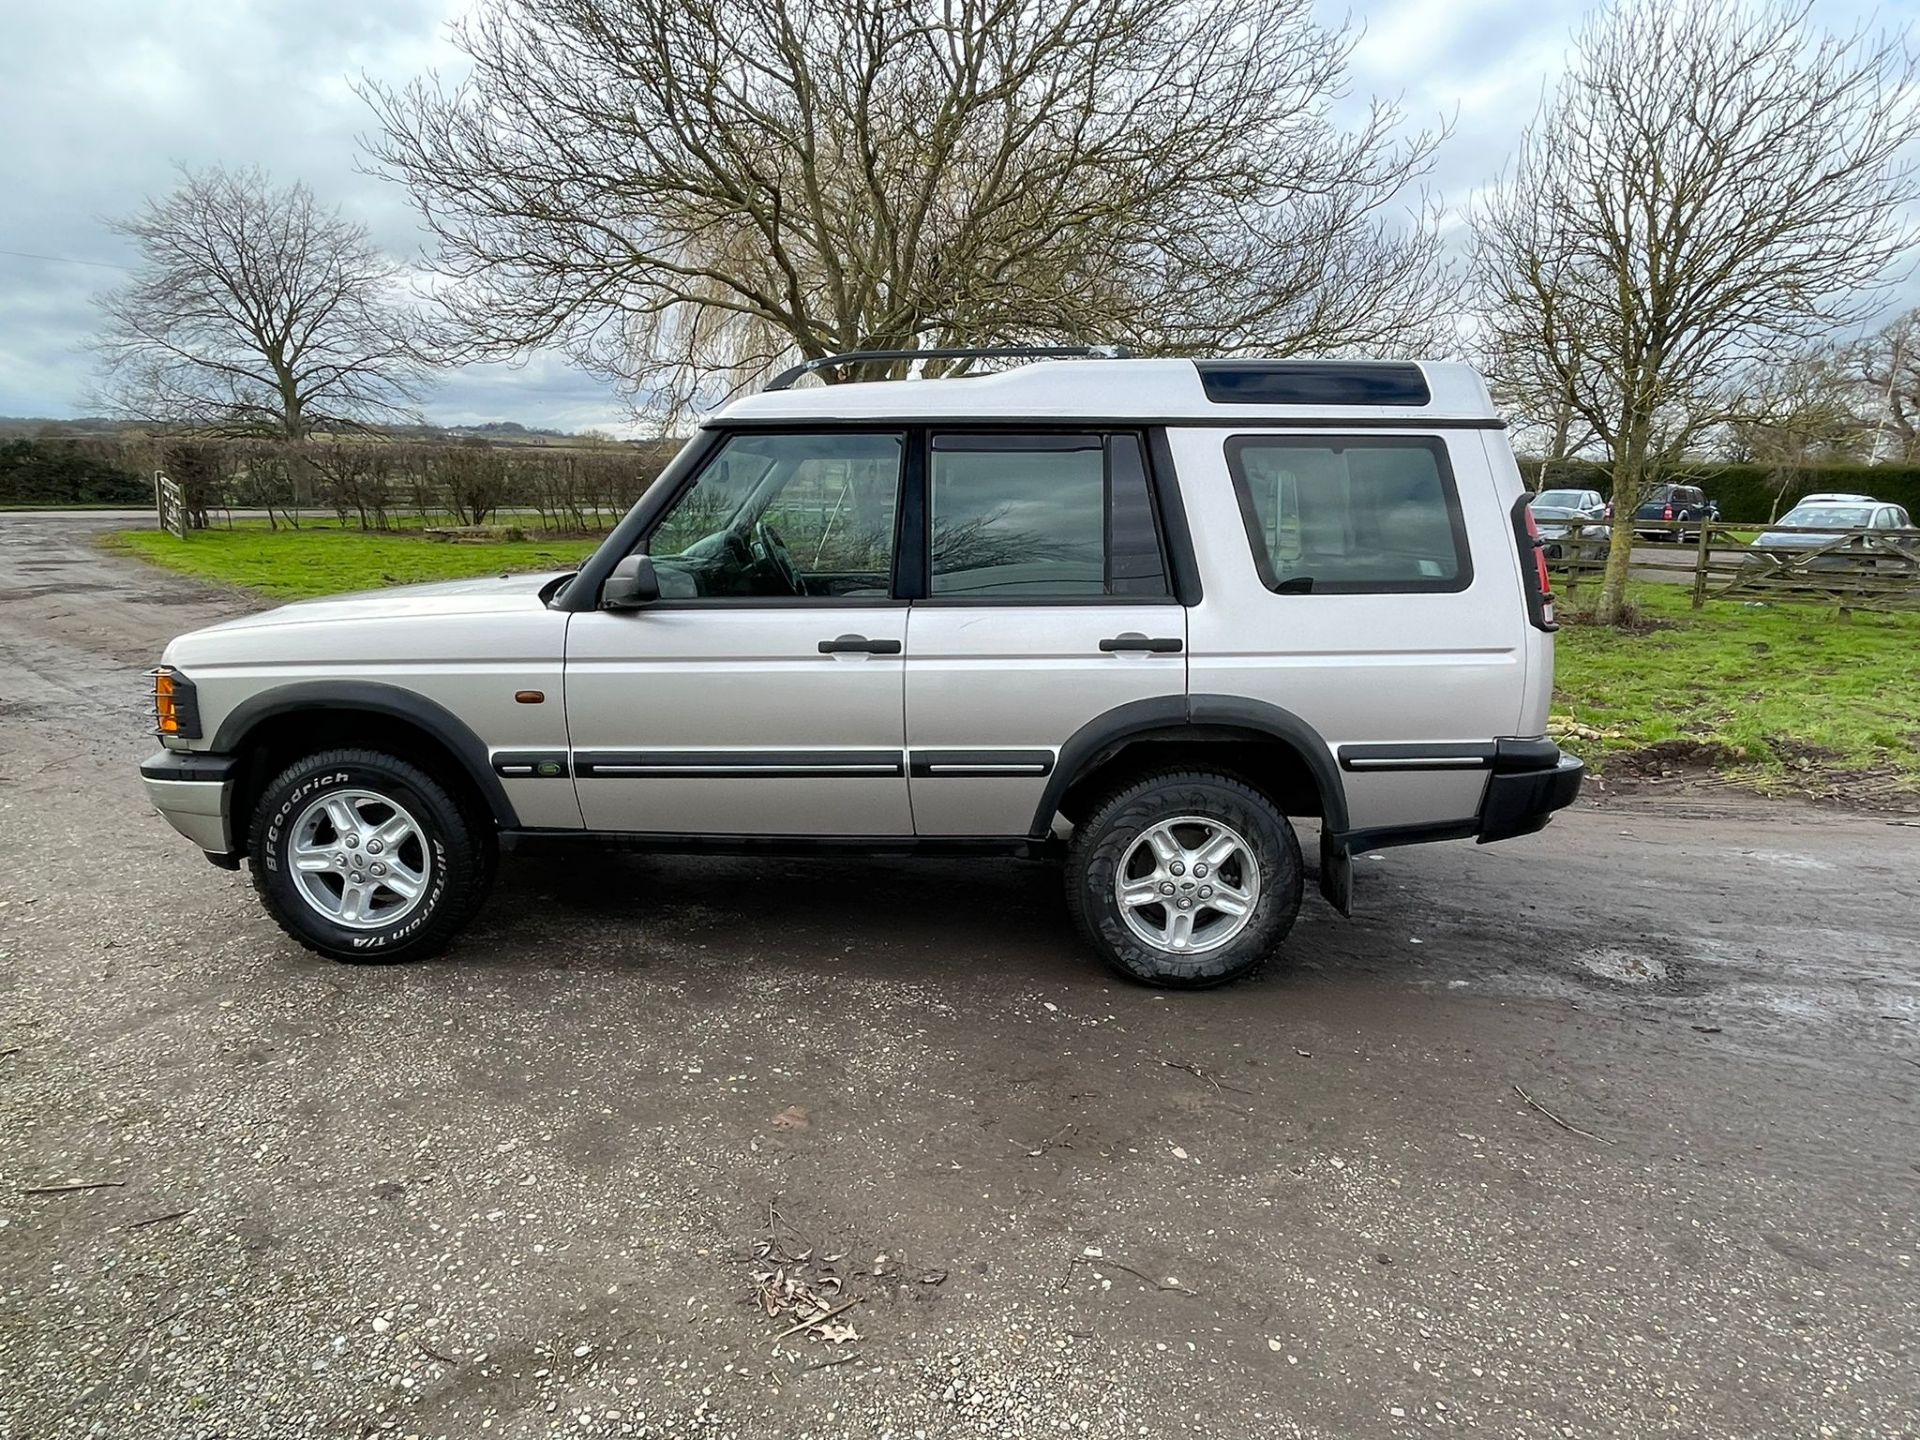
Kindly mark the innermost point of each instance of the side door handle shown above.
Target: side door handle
(858, 645)
(1134, 640)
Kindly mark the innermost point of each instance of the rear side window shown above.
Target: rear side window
(1359, 515)
(1030, 517)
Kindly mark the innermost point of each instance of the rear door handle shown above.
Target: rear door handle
(858, 645)
(1133, 640)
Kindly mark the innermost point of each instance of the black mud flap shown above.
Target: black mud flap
(1336, 873)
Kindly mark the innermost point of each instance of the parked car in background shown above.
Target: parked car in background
(1821, 522)
(1590, 503)
(1558, 514)
(1674, 502)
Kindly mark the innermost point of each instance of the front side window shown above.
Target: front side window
(785, 517)
(1041, 516)
(1329, 515)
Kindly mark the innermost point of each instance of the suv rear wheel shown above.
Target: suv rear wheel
(1185, 880)
(366, 858)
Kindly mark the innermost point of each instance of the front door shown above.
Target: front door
(762, 693)
(1047, 605)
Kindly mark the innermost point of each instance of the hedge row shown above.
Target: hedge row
(1750, 493)
(371, 482)
(59, 472)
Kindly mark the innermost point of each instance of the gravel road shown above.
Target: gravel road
(527, 1189)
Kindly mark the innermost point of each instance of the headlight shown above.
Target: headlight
(176, 704)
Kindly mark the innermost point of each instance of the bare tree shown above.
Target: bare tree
(1887, 366)
(683, 193)
(1713, 186)
(1799, 414)
(255, 311)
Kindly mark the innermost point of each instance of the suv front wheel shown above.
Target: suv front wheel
(1185, 880)
(366, 858)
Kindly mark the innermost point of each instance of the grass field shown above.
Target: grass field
(1775, 695)
(326, 559)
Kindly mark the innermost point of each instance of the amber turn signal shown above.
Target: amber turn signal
(530, 697)
(166, 710)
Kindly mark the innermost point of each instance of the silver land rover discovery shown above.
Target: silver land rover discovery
(1134, 614)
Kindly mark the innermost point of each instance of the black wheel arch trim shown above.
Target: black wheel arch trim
(1138, 717)
(369, 697)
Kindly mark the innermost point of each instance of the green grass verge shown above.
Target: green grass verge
(328, 560)
(1777, 689)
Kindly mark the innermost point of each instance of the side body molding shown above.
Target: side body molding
(371, 697)
(1141, 716)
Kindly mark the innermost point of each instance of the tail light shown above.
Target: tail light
(1667, 514)
(1607, 514)
(1534, 580)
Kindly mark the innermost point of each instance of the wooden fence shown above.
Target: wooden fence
(1850, 569)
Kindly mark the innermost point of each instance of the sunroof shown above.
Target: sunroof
(1312, 382)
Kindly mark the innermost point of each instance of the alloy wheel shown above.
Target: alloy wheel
(1187, 885)
(359, 859)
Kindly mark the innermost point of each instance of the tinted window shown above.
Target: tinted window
(1034, 516)
(1135, 565)
(1312, 382)
(1350, 515)
(781, 516)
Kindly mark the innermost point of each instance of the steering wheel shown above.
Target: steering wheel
(771, 551)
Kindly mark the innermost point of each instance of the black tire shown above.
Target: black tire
(460, 857)
(1102, 843)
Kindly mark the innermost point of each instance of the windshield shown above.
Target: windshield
(1836, 517)
(1559, 500)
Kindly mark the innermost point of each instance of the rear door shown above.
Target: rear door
(1046, 602)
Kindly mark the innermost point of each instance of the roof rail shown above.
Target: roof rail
(784, 380)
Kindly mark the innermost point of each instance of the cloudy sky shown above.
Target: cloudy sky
(100, 99)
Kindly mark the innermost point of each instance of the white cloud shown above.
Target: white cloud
(99, 100)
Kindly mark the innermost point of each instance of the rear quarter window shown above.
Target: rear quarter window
(1351, 514)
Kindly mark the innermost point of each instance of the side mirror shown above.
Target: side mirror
(631, 586)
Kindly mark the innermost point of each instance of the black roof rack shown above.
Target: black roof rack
(784, 380)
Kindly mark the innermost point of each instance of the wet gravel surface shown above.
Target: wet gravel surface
(527, 1189)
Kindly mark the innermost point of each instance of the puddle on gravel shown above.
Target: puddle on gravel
(1623, 966)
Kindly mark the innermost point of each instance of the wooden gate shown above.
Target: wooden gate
(170, 499)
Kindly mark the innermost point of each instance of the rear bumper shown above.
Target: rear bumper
(1527, 780)
(1531, 779)
(194, 793)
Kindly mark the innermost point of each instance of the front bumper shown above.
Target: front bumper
(1530, 780)
(194, 792)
